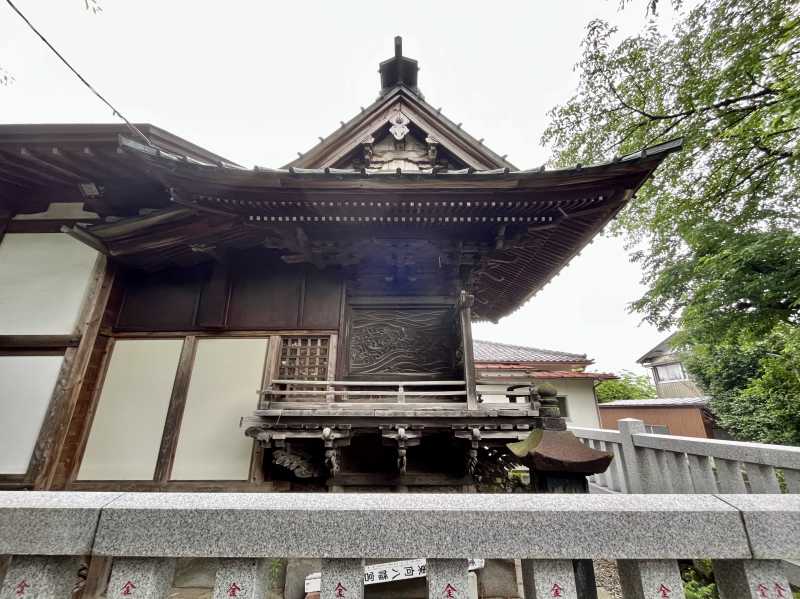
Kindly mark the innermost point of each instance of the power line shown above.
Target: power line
(116, 112)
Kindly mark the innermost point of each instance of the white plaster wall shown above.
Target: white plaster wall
(225, 377)
(580, 401)
(581, 407)
(26, 385)
(129, 422)
(44, 279)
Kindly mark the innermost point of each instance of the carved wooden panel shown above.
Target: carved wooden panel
(386, 341)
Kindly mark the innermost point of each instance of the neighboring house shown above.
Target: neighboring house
(499, 365)
(682, 416)
(668, 373)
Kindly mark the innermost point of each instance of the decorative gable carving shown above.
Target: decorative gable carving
(403, 117)
(401, 144)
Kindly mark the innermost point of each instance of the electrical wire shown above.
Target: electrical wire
(116, 112)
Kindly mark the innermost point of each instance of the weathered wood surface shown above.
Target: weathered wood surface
(177, 403)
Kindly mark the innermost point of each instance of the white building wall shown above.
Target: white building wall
(44, 282)
(579, 393)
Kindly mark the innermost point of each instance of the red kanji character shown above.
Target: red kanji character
(762, 589)
(780, 590)
(449, 591)
(233, 590)
(21, 586)
(127, 588)
(339, 591)
(664, 590)
(556, 590)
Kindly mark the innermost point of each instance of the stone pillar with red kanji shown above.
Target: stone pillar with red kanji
(140, 578)
(544, 578)
(40, 577)
(241, 579)
(448, 578)
(650, 578)
(751, 579)
(342, 579)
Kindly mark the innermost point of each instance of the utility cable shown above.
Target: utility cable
(116, 112)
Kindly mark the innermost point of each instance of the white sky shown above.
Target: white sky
(258, 81)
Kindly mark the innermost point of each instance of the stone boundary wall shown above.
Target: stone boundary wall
(378, 526)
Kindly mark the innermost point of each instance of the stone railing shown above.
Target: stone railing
(49, 534)
(649, 463)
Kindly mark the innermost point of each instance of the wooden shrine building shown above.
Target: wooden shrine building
(172, 320)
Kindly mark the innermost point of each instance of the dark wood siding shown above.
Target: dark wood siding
(248, 292)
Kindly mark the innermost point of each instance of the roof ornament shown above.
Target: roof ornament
(399, 128)
(399, 70)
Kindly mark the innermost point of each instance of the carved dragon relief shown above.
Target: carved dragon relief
(397, 341)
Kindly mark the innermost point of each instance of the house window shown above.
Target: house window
(656, 429)
(670, 372)
(304, 358)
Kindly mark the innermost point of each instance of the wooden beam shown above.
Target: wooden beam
(465, 316)
(10, 343)
(45, 164)
(177, 403)
(212, 312)
(51, 444)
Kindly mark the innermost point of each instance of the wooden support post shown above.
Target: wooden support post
(177, 403)
(465, 315)
(53, 436)
(42, 577)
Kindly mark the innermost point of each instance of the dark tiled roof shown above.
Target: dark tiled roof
(493, 353)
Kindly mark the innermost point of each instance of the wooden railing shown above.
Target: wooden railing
(49, 534)
(424, 394)
(650, 463)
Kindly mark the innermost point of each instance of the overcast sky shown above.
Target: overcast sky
(259, 81)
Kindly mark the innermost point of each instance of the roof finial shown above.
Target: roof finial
(399, 70)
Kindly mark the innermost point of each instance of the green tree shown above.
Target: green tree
(719, 220)
(627, 386)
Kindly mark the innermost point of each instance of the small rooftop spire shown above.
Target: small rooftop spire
(399, 70)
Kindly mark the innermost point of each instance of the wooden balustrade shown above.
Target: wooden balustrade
(304, 394)
(650, 463)
(47, 534)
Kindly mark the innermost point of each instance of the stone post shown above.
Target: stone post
(650, 579)
(342, 579)
(751, 579)
(40, 577)
(241, 579)
(631, 467)
(140, 578)
(548, 578)
(448, 578)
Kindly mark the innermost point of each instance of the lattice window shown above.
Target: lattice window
(304, 358)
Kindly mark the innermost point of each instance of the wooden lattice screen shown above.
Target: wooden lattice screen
(304, 358)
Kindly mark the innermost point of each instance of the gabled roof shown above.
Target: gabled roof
(331, 150)
(499, 353)
(664, 348)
